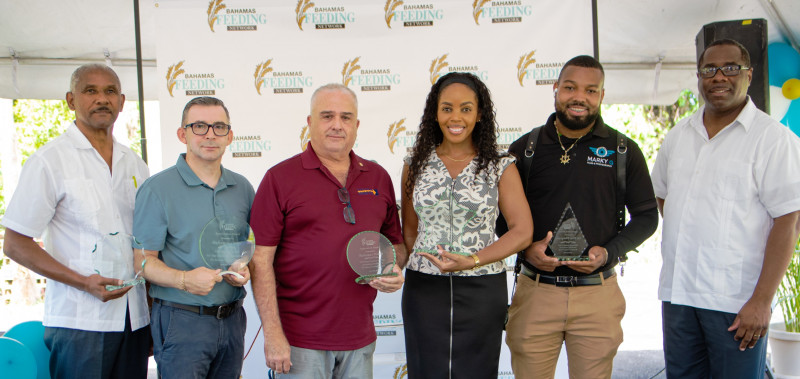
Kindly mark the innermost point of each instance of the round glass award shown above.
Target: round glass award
(227, 244)
(371, 255)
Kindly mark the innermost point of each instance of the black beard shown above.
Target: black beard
(576, 124)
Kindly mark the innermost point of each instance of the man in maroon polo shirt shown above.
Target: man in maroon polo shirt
(317, 320)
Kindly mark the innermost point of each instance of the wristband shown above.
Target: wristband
(477, 261)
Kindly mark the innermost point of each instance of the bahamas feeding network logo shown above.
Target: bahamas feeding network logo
(324, 17)
(411, 15)
(439, 64)
(194, 84)
(281, 82)
(543, 73)
(368, 79)
(235, 19)
(500, 11)
(249, 146)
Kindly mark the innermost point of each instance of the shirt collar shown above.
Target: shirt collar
(310, 160)
(79, 141)
(744, 119)
(190, 178)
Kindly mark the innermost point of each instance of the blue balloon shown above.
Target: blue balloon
(31, 334)
(784, 63)
(16, 361)
(792, 117)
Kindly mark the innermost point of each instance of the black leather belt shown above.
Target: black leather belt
(569, 281)
(220, 311)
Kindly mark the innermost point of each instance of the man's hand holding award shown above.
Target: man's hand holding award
(371, 255)
(112, 257)
(227, 244)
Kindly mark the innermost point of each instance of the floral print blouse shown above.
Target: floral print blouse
(458, 214)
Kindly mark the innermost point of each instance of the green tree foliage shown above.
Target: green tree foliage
(39, 121)
(649, 124)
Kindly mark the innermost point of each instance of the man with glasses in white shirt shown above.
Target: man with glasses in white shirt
(727, 181)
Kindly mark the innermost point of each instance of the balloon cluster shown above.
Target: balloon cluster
(784, 84)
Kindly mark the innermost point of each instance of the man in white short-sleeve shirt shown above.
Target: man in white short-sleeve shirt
(73, 191)
(727, 180)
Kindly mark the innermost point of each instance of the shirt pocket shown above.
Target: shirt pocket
(82, 202)
(732, 181)
(719, 271)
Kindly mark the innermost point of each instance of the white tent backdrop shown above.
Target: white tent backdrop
(50, 38)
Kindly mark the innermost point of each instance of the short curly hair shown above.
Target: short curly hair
(484, 135)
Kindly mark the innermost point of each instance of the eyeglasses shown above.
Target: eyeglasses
(729, 70)
(349, 214)
(221, 129)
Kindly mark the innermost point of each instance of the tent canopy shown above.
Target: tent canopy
(41, 42)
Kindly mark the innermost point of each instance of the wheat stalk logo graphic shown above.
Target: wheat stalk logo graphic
(214, 7)
(524, 61)
(302, 7)
(261, 70)
(304, 138)
(436, 67)
(477, 9)
(172, 73)
(401, 372)
(394, 130)
(349, 68)
(388, 10)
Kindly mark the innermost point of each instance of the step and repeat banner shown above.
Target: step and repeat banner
(264, 60)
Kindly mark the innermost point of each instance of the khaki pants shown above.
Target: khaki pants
(586, 318)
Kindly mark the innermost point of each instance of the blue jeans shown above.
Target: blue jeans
(98, 355)
(697, 344)
(323, 364)
(189, 345)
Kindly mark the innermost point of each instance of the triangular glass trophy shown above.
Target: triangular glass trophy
(568, 242)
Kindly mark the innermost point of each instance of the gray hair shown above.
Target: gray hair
(79, 73)
(333, 87)
(207, 101)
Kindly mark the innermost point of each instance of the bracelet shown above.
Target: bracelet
(477, 261)
(183, 281)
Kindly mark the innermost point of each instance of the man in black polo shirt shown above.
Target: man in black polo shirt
(576, 302)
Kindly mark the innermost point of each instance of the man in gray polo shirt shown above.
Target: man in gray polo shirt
(198, 323)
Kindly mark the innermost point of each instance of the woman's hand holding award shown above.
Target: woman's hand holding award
(112, 257)
(371, 255)
(227, 244)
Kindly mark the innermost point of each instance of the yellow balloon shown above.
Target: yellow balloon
(791, 89)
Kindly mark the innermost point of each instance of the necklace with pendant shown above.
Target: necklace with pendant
(565, 158)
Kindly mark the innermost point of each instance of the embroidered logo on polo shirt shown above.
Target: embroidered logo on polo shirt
(367, 191)
(600, 157)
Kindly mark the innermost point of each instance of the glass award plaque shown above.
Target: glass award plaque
(568, 241)
(227, 244)
(371, 255)
(112, 257)
(450, 249)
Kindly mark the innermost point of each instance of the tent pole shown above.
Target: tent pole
(141, 79)
(595, 38)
